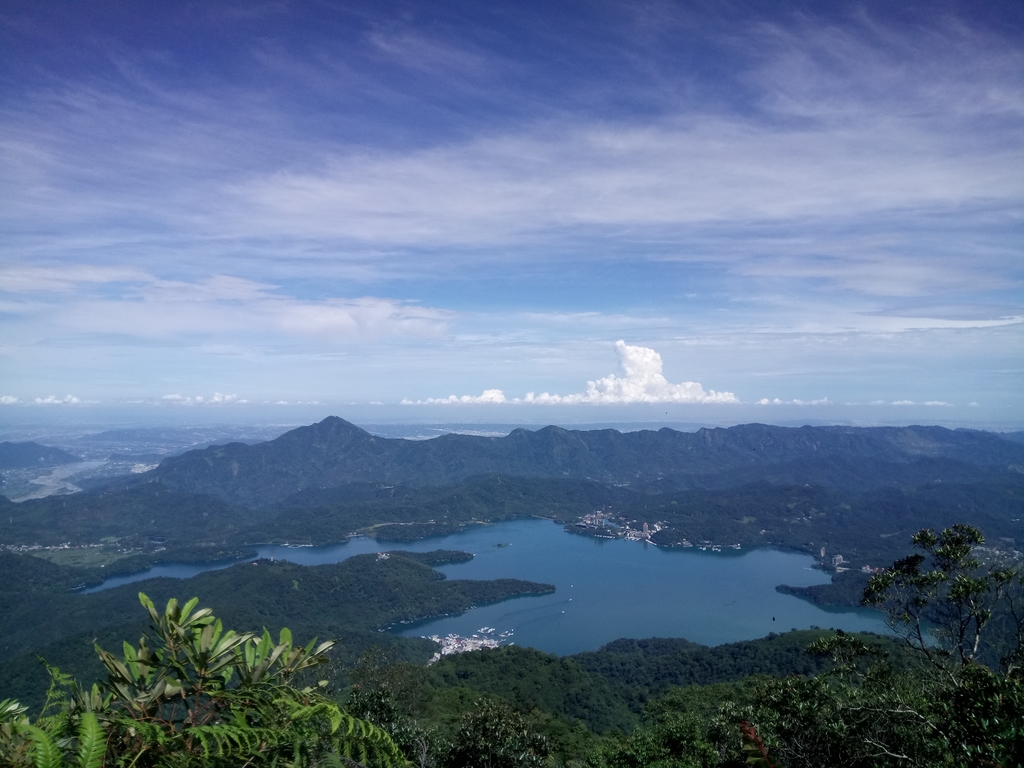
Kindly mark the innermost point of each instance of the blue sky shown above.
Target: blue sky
(785, 211)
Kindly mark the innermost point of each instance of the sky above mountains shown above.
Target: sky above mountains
(574, 211)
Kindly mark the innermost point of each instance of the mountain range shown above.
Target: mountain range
(334, 453)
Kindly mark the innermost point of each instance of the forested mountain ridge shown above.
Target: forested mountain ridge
(334, 452)
(24, 455)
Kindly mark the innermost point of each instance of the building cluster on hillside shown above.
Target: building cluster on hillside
(44, 547)
(603, 525)
(69, 546)
(706, 545)
(840, 564)
(642, 534)
(598, 523)
(1001, 556)
(484, 637)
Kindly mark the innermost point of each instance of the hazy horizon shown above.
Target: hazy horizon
(268, 428)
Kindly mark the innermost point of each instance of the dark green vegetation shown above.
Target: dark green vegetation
(24, 455)
(845, 589)
(607, 689)
(135, 514)
(349, 601)
(866, 528)
(193, 694)
(1013, 437)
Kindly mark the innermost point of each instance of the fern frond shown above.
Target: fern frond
(44, 750)
(148, 733)
(92, 742)
(226, 740)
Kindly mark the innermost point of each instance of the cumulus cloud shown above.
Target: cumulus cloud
(642, 381)
(488, 396)
(8, 400)
(218, 398)
(53, 400)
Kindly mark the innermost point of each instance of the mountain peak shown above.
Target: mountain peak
(331, 429)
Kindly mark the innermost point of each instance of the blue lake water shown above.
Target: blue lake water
(606, 588)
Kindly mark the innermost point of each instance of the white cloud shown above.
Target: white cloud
(678, 172)
(642, 382)
(218, 398)
(150, 306)
(488, 396)
(19, 278)
(53, 400)
(797, 401)
(931, 403)
(972, 405)
(8, 400)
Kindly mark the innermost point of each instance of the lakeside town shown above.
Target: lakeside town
(604, 525)
(485, 637)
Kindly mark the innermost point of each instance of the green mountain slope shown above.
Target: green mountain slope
(24, 455)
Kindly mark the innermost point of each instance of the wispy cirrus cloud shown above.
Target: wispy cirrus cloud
(132, 302)
(840, 124)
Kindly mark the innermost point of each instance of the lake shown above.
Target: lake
(606, 588)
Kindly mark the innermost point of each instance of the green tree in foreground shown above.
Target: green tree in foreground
(949, 606)
(965, 617)
(496, 736)
(194, 694)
